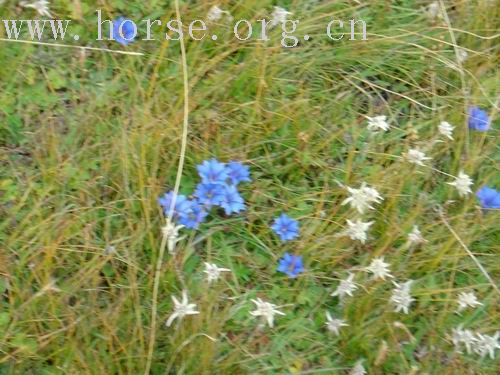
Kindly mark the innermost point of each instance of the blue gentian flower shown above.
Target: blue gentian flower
(478, 119)
(489, 197)
(195, 217)
(291, 265)
(128, 31)
(233, 202)
(218, 188)
(210, 194)
(213, 172)
(183, 206)
(285, 227)
(238, 172)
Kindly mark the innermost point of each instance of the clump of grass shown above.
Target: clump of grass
(89, 142)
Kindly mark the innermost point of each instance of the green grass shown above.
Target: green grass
(88, 142)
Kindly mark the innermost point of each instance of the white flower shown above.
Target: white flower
(266, 310)
(372, 194)
(481, 344)
(377, 123)
(433, 11)
(181, 309)
(171, 233)
(379, 268)
(346, 287)
(446, 129)
(334, 324)
(215, 14)
(213, 272)
(462, 183)
(416, 157)
(51, 286)
(110, 250)
(462, 55)
(357, 230)
(487, 345)
(41, 6)
(415, 236)
(466, 337)
(401, 297)
(358, 369)
(278, 16)
(467, 300)
(362, 198)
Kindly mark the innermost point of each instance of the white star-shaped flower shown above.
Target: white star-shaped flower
(377, 123)
(460, 336)
(487, 345)
(446, 129)
(181, 309)
(462, 55)
(462, 183)
(51, 286)
(334, 325)
(362, 198)
(41, 6)
(467, 299)
(401, 297)
(433, 11)
(213, 272)
(357, 230)
(417, 157)
(110, 250)
(371, 194)
(379, 268)
(278, 16)
(266, 310)
(215, 14)
(358, 369)
(345, 288)
(171, 233)
(415, 236)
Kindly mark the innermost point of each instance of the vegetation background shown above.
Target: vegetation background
(90, 140)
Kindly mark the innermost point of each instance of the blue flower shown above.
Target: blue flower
(193, 218)
(212, 172)
(183, 206)
(478, 119)
(232, 202)
(210, 194)
(214, 190)
(292, 265)
(489, 197)
(129, 31)
(238, 172)
(285, 227)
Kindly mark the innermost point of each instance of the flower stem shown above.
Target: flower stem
(154, 305)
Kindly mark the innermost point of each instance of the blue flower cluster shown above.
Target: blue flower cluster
(218, 187)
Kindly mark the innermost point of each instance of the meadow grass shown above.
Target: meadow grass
(89, 141)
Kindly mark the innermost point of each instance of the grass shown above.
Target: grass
(90, 141)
